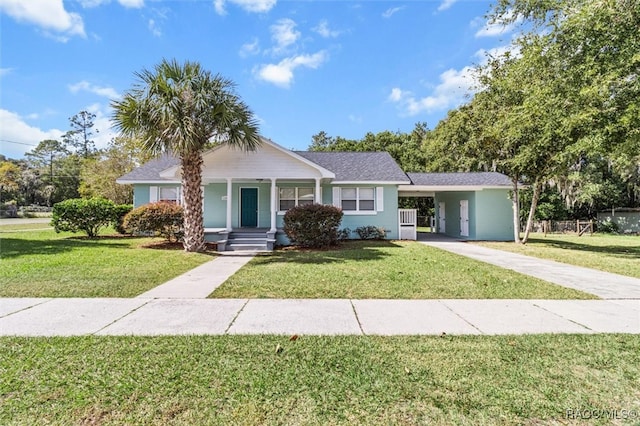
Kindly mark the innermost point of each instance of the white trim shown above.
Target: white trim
(148, 182)
(445, 188)
(370, 182)
(317, 194)
(358, 199)
(153, 194)
(296, 196)
(273, 205)
(229, 205)
(337, 197)
(379, 198)
(360, 213)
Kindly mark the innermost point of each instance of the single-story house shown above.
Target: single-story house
(246, 194)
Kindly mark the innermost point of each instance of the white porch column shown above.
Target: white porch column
(318, 195)
(229, 192)
(274, 205)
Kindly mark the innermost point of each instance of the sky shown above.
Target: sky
(343, 67)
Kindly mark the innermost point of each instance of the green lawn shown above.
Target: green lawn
(383, 270)
(619, 254)
(473, 380)
(45, 264)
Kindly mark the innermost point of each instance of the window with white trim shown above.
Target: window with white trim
(358, 199)
(169, 194)
(292, 197)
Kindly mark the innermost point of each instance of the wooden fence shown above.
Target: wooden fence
(579, 227)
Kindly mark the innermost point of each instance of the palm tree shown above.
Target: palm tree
(180, 109)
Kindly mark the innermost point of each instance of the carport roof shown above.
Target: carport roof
(472, 179)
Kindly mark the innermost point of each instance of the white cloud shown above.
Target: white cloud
(107, 92)
(5, 71)
(446, 4)
(324, 31)
(450, 92)
(284, 34)
(497, 52)
(391, 11)
(14, 129)
(132, 4)
(281, 74)
(492, 29)
(250, 49)
(253, 6)
(49, 15)
(153, 27)
(92, 3)
(355, 118)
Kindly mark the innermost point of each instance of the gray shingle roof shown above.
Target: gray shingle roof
(460, 179)
(151, 171)
(358, 166)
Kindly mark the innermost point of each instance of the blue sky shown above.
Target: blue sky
(343, 67)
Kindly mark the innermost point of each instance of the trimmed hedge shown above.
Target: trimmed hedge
(313, 225)
(163, 219)
(80, 214)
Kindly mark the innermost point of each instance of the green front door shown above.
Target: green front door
(248, 207)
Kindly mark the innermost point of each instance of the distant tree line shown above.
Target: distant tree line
(57, 170)
(559, 113)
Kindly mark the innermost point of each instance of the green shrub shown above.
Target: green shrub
(119, 212)
(79, 214)
(162, 219)
(313, 225)
(371, 233)
(608, 227)
(344, 234)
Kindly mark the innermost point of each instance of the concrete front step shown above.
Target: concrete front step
(246, 247)
(248, 240)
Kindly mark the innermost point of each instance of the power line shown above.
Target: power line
(19, 143)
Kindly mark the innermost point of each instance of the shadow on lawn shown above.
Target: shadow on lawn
(347, 251)
(627, 252)
(16, 247)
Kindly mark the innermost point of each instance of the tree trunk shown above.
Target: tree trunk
(516, 212)
(192, 192)
(537, 189)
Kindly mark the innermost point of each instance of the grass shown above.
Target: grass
(472, 380)
(619, 254)
(45, 264)
(383, 270)
(4, 229)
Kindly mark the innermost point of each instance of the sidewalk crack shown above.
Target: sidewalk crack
(123, 316)
(560, 316)
(236, 317)
(461, 317)
(357, 317)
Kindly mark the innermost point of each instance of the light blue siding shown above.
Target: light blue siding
(490, 214)
(495, 215)
(215, 206)
(452, 212)
(386, 219)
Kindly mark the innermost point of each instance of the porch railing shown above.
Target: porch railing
(407, 224)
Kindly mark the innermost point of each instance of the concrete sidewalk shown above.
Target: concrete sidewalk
(201, 281)
(71, 317)
(603, 284)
